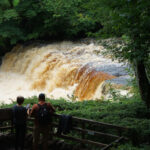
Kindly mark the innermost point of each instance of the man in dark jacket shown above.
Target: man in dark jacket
(19, 120)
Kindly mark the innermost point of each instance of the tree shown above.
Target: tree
(25, 20)
(131, 19)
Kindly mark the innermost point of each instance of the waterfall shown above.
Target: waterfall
(63, 69)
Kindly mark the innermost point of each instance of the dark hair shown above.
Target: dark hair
(42, 97)
(20, 100)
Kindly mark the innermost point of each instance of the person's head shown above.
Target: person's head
(41, 97)
(20, 100)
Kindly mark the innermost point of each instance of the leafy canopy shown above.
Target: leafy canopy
(22, 20)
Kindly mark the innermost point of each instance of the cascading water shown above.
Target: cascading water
(59, 70)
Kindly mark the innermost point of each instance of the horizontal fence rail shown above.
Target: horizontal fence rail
(81, 126)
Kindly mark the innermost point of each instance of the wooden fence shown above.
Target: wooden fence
(84, 131)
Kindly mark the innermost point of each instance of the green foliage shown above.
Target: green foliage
(130, 147)
(69, 19)
(15, 2)
(129, 19)
(22, 21)
(9, 14)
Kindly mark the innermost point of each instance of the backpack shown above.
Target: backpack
(43, 115)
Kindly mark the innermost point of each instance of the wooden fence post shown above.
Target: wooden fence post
(83, 133)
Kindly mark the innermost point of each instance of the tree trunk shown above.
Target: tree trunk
(143, 82)
(11, 3)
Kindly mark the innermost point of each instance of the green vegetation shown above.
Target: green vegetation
(127, 112)
(131, 19)
(22, 21)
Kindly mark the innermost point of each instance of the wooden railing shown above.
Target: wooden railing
(89, 127)
(89, 132)
(6, 120)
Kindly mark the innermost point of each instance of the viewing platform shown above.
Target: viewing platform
(84, 135)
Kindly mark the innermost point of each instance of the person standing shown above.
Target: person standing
(19, 121)
(42, 113)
